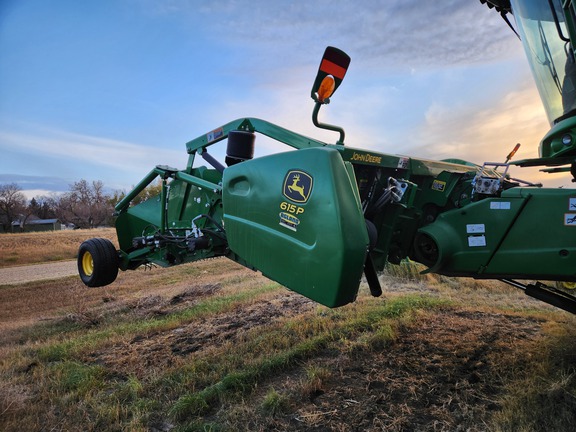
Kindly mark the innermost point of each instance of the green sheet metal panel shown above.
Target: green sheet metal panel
(467, 238)
(296, 217)
(527, 232)
(542, 241)
(137, 220)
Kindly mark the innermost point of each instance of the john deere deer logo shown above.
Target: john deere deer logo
(297, 186)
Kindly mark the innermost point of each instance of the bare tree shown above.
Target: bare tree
(152, 190)
(85, 205)
(42, 207)
(12, 204)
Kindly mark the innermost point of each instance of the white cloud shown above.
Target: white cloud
(391, 34)
(95, 151)
(276, 48)
(34, 193)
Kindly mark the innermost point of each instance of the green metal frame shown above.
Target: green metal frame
(315, 219)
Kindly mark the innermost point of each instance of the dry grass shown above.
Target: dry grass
(42, 247)
(212, 346)
(542, 393)
(27, 304)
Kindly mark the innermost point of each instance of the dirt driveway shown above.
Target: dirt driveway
(36, 272)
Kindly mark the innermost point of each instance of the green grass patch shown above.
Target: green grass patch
(285, 345)
(407, 270)
(71, 376)
(181, 396)
(243, 381)
(83, 341)
(274, 403)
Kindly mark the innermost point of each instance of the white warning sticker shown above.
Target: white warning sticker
(476, 241)
(475, 229)
(403, 163)
(500, 205)
(570, 219)
(214, 135)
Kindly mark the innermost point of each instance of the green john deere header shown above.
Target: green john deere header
(320, 216)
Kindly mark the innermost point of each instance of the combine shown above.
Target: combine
(318, 217)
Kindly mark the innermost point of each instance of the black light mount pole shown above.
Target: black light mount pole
(325, 125)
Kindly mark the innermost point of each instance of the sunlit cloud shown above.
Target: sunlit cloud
(483, 133)
(488, 134)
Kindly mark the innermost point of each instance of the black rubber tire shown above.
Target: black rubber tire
(372, 234)
(97, 262)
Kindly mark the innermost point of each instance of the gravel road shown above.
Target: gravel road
(36, 272)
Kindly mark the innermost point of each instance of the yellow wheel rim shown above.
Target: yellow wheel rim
(87, 264)
(567, 285)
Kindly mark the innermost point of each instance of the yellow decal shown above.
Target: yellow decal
(438, 185)
(291, 208)
(297, 186)
(366, 157)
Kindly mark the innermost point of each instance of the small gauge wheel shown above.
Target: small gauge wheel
(570, 286)
(97, 262)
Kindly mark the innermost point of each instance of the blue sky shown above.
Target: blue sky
(105, 90)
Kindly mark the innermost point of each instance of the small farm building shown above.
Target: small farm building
(37, 225)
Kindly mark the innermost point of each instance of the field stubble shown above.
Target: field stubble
(42, 247)
(214, 346)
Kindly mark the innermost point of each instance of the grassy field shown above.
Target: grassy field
(42, 247)
(213, 346)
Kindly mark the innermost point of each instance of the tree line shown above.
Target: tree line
(84, 205)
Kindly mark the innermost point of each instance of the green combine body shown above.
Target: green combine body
(320, 216)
